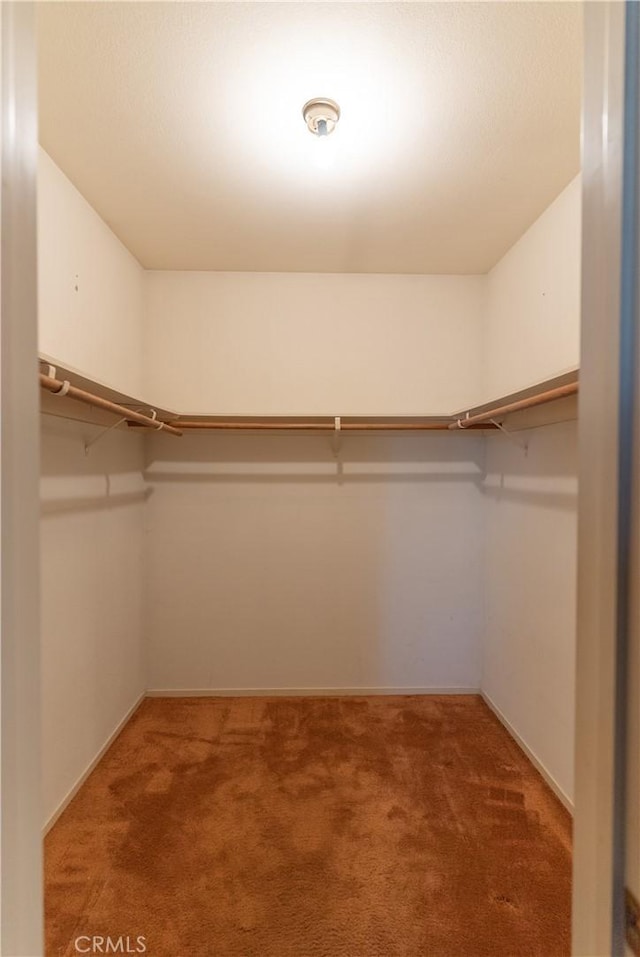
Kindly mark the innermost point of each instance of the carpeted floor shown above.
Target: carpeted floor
(313, 827)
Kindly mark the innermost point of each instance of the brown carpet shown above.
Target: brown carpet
(313, 827)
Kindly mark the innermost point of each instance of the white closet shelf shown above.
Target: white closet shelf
(550, 400)
(68, 406)
(544, 402)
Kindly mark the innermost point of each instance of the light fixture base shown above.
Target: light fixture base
(321, 115)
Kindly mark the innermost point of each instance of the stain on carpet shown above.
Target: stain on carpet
(313, 827)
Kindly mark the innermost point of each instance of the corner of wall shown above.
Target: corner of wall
(532, 308)
(89, 286)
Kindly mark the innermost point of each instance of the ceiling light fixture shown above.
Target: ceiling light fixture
(321, 116)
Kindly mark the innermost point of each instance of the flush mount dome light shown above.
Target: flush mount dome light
(321, 115)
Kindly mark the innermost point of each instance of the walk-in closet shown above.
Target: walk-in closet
(309, 340)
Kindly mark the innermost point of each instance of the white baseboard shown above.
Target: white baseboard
(304, 692)
(87, 771)
(537, 763)
(298, 692)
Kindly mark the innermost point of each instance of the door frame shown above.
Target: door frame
(21, 896)
(606, 421)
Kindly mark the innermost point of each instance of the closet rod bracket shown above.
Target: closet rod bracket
(336, 437)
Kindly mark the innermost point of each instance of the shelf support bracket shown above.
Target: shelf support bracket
(101, 435)
(521, 443)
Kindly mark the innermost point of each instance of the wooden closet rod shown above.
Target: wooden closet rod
(56, 386)
(323, 426)
(472, 421)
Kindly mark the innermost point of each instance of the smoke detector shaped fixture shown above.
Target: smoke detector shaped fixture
(321, 115)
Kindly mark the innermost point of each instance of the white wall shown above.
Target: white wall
(532, 332)
(289, 342)
(532, 324)
(530, 591)
(93, 667)
(328, 344)
(337, 344)
(90, 317)
(89, 287)
(270, 565)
